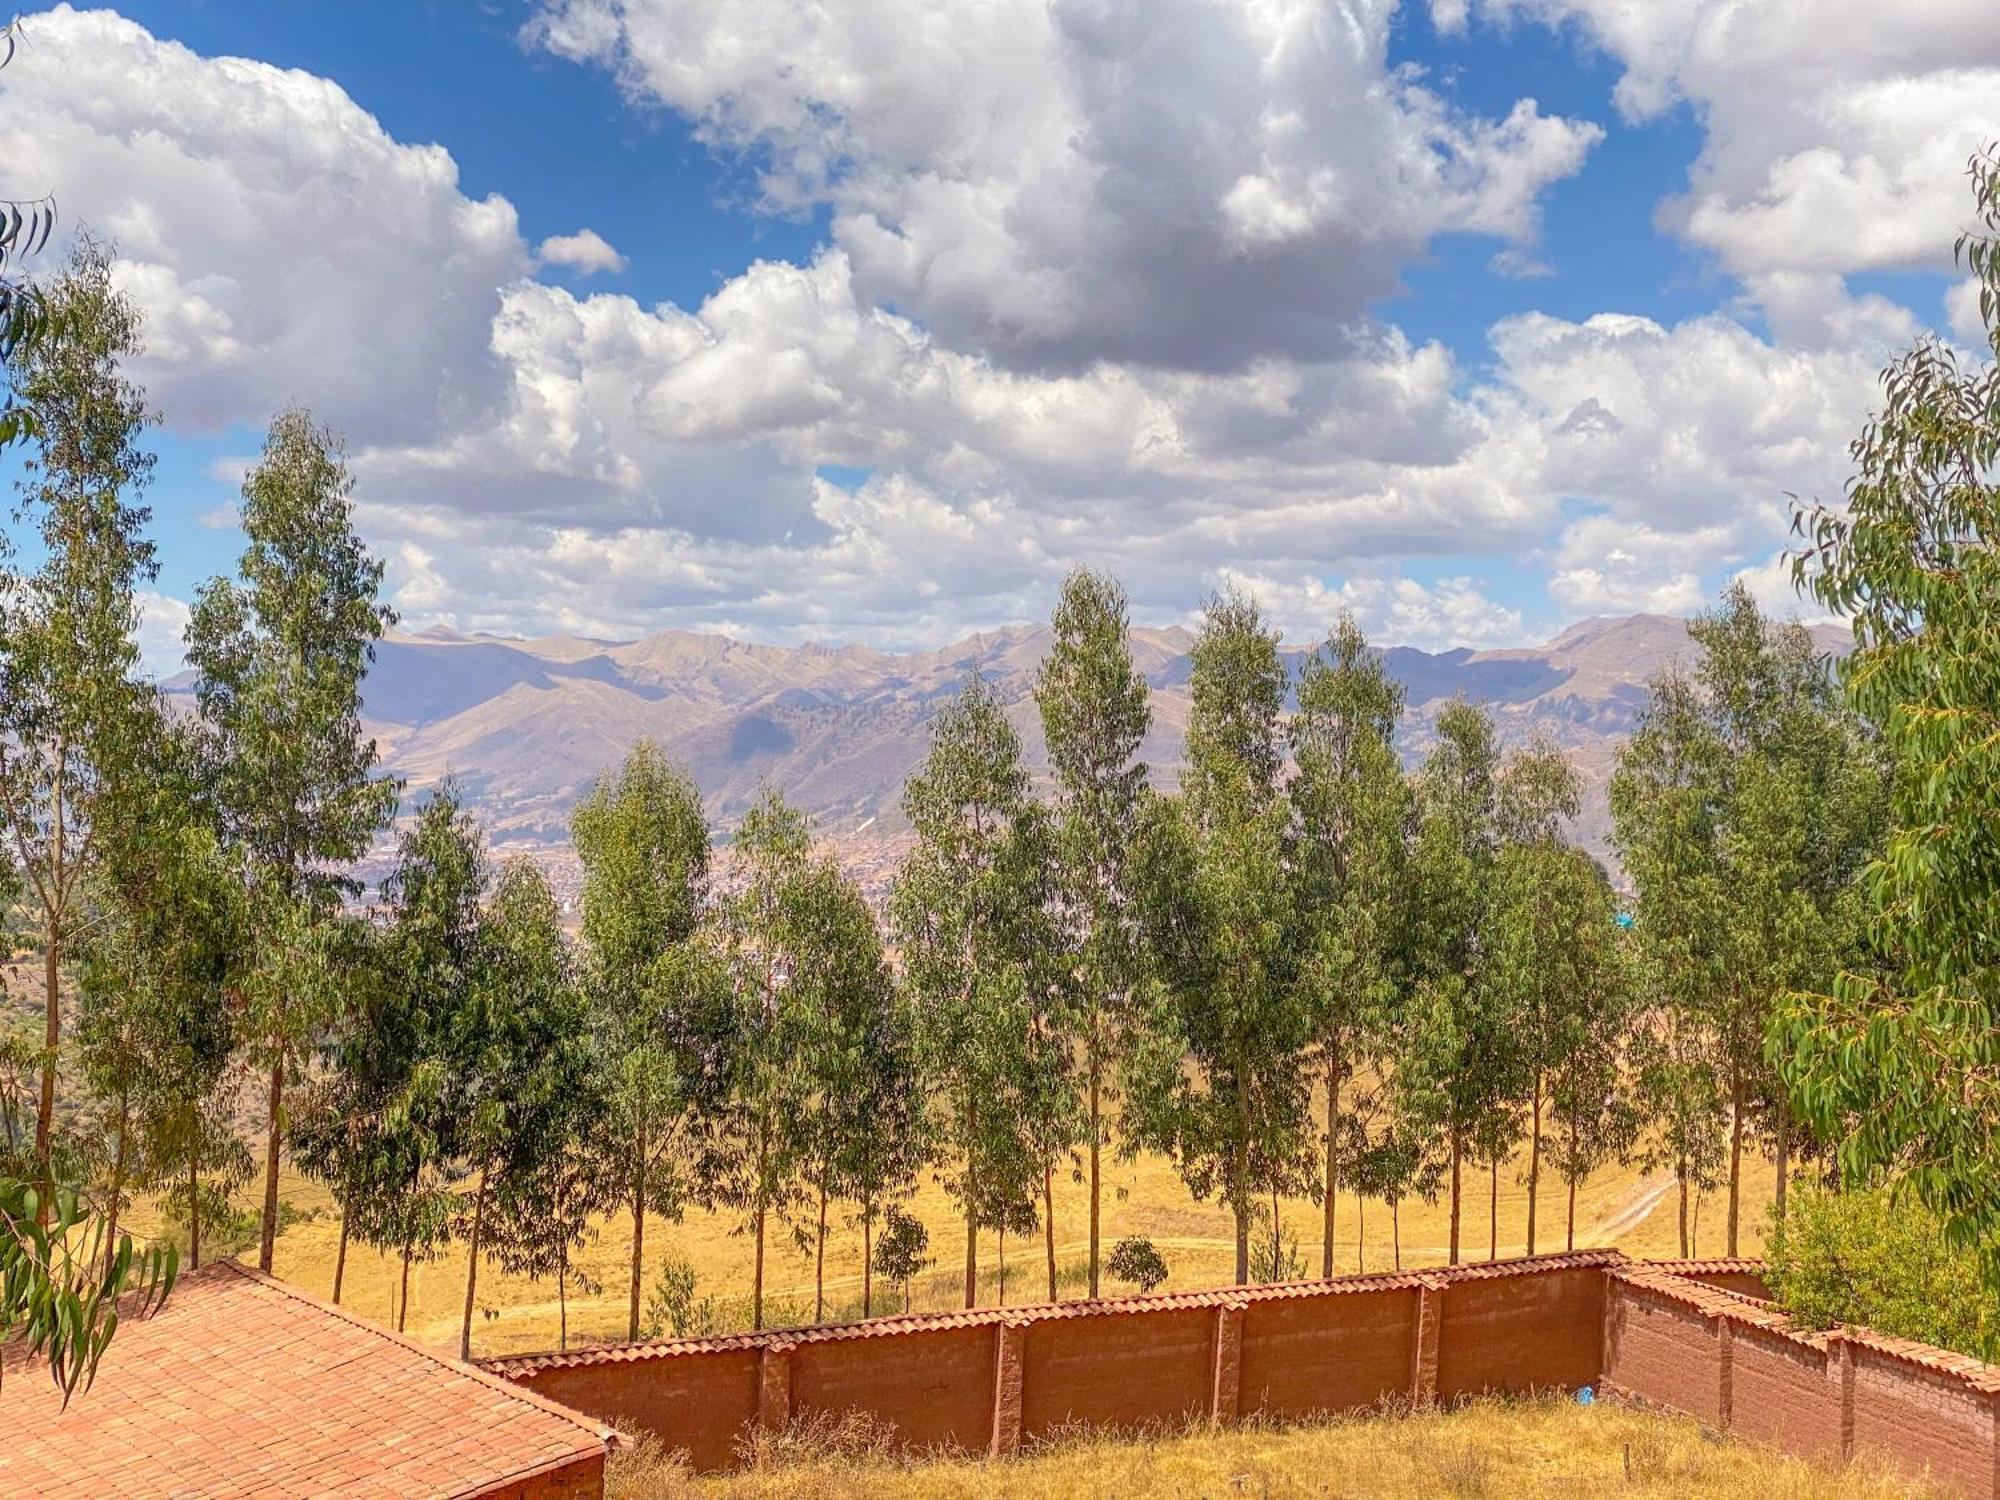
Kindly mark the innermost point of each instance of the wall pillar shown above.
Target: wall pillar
(774, 1388)
(1725, 1375)
(1009, 1346)
(1843, 1352)
(1424, 1358)
(1225, 1402)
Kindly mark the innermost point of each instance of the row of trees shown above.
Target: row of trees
(1297, 970)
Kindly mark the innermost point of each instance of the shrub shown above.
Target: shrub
(902, 1251)
(672, 1309)
(1134, 1259)
(1865, 1258)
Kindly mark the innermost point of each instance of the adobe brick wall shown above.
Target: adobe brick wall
(1678, 1340)
(1693, 1336)
(582, 1479)
(989, 1380)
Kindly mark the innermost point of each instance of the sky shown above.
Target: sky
(867, 321)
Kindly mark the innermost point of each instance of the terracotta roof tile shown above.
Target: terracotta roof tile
(985, 1317)
(243, 1385)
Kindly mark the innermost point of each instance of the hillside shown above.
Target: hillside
(527, 724)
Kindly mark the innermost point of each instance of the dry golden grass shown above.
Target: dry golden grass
(1623, 1208)
(1487, 1449)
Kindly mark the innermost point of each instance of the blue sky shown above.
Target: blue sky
(1473, 317)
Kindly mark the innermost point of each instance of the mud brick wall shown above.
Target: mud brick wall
(1693, 1336)
(992, 1379)
(1685, 1341)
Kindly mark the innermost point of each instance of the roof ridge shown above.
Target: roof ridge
(604, 1433)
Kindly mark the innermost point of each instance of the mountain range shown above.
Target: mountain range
(527, 725)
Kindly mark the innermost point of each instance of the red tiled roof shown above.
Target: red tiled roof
(242, 1385)
(982, 1317)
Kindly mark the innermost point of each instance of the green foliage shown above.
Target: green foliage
(73, 712)
(902, 1250)
(1350, 869)
(54, 1300)
(980, 965)
(1095, 715)
(280, 654)
(643, 840)
(673, 1310)
(1216, 1079)
(1896, 1060)
(1135, 1259)
(1875, 1259)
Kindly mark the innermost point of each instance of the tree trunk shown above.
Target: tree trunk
(1534, 1162)
(1242, 1245)
(971, 1258)
(868, 1259)
(1493, 1213)
(403, 1306)
(1239, 1182)
(1001, 1276)
(819, 1260)
(45, 1107)
(638, 1234)
(267, 1245)
(757, 1283)
(1735, 1151)
(1783, 1128)
(194, 1210)
(340, 1257)
(1396, 1221)
(1457, 1155)
(1049, 1226)
(1095, 1103)
(1570, 1172)
(1360, 1234)
(1681, 1173)
(117, 1182)
(562, 1307)
(472, 1264)
(1332, 1157)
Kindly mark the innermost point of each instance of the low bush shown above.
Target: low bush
(1871, 1259)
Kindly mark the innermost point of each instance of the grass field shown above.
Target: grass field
(1622, 1208)
(1484, 1451)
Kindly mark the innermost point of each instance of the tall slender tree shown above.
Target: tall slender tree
(969, 917)
(1453, 1056)
(1217, 1079)
(760, 925)
(280, 655)
(521, 1043)
(643, 840)
(1351, 807)
(73, 713)
(1095, 714)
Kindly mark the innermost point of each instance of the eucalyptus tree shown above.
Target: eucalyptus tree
(1351, 806)
(1217, 1080)
(1095, 714)
(280, 654)
(156, 1033)
(643, 840)
(73, 711)
(519, 1047)
(1895, 1060)
(970, 919)
(1554, 966)
(1744, 807)
(1454, 1066)
(428, 1028)
(761, 924)
(843, 997)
